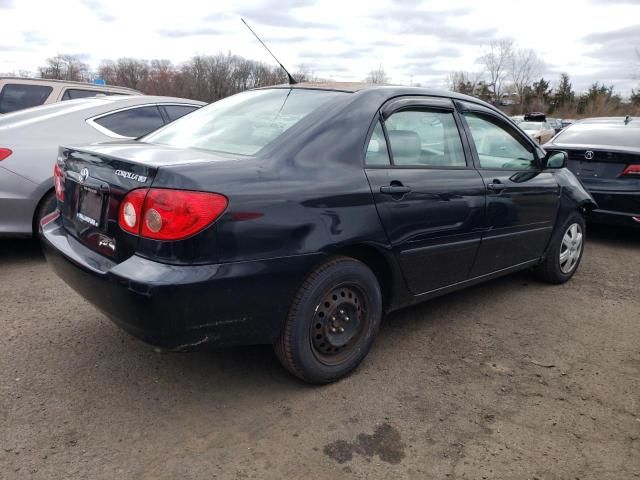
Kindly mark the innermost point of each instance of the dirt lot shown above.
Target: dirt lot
(513, 379)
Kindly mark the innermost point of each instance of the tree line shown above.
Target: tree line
(511, 79)
(202, 77)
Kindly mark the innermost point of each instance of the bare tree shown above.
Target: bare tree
(463, 82)
(378, 76)
(496, 59)
(524, 66)
(65, 67)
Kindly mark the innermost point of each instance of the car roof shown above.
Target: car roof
(622, 121)
(390, 90)
(68, 82)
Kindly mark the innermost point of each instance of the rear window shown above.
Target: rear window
(601, 134)
(133, 122)
(15, 96)
(73, 93)
(243, 124)
(174, 112)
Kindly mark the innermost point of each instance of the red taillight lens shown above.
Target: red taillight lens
(50, 217)
(164, 214)
(631, 170)
(58, 182)
(130, 213)
(4, 153)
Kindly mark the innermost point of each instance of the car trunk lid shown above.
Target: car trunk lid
(98, 177)
(599, 164)
(94, 186)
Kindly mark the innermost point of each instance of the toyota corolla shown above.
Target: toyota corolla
(298, 215)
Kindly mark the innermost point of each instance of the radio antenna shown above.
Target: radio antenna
(292, 81)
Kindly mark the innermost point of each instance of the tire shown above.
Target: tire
(332, 321)
(47, 205)
(567, 243)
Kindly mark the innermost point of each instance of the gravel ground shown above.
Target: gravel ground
(512, 379)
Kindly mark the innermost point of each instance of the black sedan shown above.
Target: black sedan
(604, 153)
(298, 215)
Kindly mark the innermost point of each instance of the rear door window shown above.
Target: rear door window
(15, 96)
(73, 93)
(424, 137)
(377, 154)
(176, 111)
(133, 122)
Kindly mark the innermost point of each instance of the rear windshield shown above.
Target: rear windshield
(244, 123)
(15, 96)
(601, 135)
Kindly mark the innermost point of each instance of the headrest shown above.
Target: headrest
(405, 145)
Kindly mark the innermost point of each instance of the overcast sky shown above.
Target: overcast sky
(415, 41)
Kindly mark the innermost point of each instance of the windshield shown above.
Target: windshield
(531, 125)
(601, 134)
(244, 123)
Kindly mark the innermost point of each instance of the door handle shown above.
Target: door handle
(496, 186)
(394, 189)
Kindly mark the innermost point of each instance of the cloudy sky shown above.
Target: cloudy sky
(416, 41)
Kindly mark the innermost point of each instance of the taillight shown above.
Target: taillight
(631, 170)
(58, 182)
(4, 153)
(164, 214)
(49, 217)
(131, 211)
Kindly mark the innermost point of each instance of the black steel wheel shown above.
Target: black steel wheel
(332, 322)
(339, 322)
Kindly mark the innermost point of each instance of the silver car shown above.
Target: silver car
(29, 141)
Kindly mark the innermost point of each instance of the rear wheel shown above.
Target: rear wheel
(46, 206)
(565, 251)
(332, 321)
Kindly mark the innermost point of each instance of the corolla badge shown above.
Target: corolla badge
(588, 155)
(131, 175)
(84, 174)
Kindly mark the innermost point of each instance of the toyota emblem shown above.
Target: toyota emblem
(588, 155)
(84, 174)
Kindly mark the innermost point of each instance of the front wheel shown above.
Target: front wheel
(565, 251)
(332, 321)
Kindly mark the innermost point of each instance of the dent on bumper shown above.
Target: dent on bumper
(178, 307)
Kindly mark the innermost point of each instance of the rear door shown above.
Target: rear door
(522, 200)
(429, 197)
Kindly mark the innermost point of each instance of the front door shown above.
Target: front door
(431, 202)
(522, 200)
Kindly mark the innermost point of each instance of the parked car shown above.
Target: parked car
(29, 141)
(18, 93)
(566, 122)
(604, 153)
(535, 117)
(555, 123)
(297, 215)
(540, 132)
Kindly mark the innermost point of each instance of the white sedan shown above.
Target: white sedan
(541, 132)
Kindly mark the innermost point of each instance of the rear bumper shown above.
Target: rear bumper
(178, 307)
(616, 207)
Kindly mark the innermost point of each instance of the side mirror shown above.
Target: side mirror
(555, 160)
